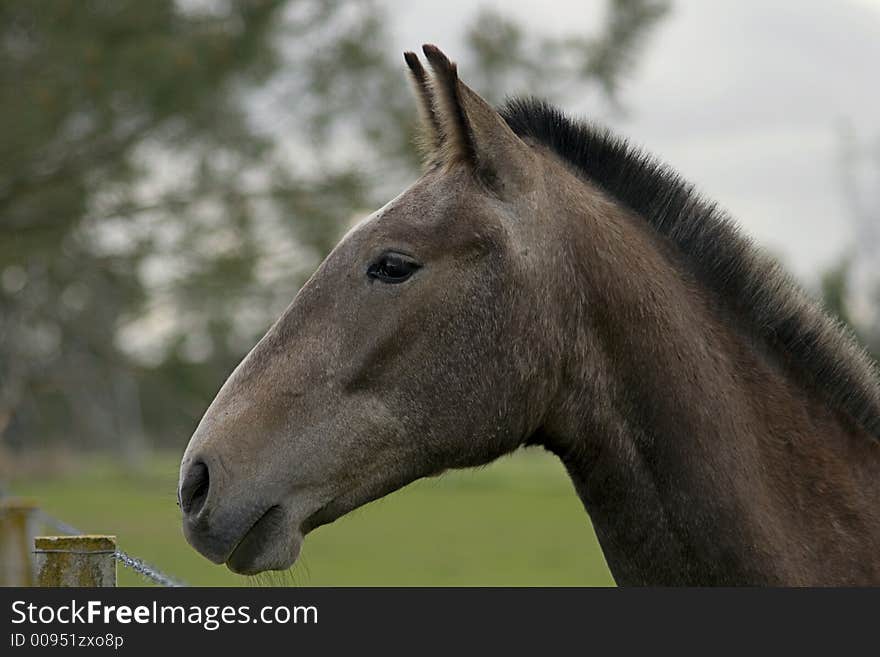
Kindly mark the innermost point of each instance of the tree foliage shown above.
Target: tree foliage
(851, 288)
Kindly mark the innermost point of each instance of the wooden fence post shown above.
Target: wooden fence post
(18, 526)
(75, 560)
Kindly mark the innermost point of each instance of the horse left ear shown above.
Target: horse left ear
(464, 127)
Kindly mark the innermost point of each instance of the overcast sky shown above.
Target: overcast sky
(745, 99)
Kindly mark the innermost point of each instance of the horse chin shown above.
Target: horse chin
(275, 539)
(271, 544)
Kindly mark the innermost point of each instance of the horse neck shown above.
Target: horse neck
(697, 457)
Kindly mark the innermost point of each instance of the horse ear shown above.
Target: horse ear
(465, 127)
(430, 137)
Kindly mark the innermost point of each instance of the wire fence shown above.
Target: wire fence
(145, 570)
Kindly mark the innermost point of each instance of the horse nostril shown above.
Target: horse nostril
(194, 488)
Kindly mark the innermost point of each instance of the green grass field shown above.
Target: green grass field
(516, 522)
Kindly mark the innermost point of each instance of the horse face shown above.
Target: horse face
(392, 363)
(403, 355)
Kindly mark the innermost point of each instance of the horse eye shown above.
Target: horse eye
(393, 268)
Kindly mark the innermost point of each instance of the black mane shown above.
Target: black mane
(752, 285)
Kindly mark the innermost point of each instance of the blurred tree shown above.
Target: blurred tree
(84, 87)
(851, 288)
(171, 171)
(834, 289)
(511, 60)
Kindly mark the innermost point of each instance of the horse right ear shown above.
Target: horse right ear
(430, 136)
(460, 127)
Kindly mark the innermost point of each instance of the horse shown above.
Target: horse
(545, 283)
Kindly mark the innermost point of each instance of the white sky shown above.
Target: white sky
(744, 98)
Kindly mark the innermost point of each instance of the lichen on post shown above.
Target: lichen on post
(18, 526)
(75, 560)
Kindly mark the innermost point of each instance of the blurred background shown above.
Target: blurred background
(172, 171)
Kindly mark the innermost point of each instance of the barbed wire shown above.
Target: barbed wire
(140, 566)
(146, 570)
